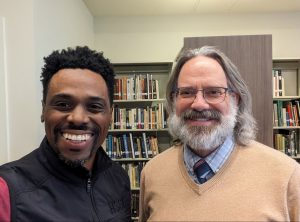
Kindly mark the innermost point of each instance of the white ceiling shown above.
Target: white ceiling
(187, 7)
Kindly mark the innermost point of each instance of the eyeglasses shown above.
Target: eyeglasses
(211, 95)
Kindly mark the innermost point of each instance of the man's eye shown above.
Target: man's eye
(63, 105)
(213, 92)
(186, 92)
(96, 108)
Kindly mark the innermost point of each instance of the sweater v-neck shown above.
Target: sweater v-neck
(201, 188)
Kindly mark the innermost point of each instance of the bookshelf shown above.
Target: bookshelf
(286, 106)
(138, 129)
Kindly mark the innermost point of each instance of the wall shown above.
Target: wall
(19, 65)
(3, 94)
(58, 24)
(144, 39)
(61, 23)
(33, 29)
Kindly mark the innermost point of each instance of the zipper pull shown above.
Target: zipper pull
(89, 185)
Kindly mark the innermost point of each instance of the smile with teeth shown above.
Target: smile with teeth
(75, 137)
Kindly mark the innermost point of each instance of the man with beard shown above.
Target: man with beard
(216, 171)
(69, 177)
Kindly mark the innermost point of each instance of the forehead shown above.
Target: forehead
(202, 69)
(77, 82)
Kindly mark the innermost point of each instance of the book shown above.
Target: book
(275, 114)
(279, 82)
(151, 87)
(275, 83)
(280, 114)
(125, 144)
(109, 145)
(144, 146)
(153, 145)
(139, 147)
(285, 117)
(133, 152)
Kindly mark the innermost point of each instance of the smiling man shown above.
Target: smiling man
(216, 171)
(69, 177)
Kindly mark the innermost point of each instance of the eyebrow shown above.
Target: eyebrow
(97, 99)
(61, 96)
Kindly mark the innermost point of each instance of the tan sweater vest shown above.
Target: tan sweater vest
(256, 183)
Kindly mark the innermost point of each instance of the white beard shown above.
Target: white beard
(204, 138)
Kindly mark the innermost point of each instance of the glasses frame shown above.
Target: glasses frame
(193, 97)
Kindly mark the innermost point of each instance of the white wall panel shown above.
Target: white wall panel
(4, 131)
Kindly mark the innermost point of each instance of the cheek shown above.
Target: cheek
(52, 121)
(104, 122)
(108, 119)
(48, 124)
(105, 127)
(224, 107)
(181, 107)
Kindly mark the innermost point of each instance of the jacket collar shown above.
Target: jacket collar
(58, 168)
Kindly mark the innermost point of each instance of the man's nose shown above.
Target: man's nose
(78, 116)
(199, 102)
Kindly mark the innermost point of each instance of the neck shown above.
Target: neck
(202, 152)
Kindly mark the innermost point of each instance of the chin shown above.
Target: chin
(74, 161)
(203, 151)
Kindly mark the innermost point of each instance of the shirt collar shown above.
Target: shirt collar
(215, 160)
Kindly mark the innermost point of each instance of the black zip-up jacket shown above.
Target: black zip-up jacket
(42, 188)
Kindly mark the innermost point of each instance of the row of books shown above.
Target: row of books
(129, 146)
(286, 113)
(150, 117)
(287, 141)
(135, 204)
(278, 83)
(134, 172)
(137, 86)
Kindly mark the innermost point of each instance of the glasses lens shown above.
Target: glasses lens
(187, 92)
(211, 95)
(214, 95)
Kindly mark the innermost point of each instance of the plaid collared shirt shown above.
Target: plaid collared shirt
(215, 160)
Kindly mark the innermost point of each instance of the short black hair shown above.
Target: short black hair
(80, 57)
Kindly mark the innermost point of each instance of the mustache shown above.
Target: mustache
(82, 127)
(203, 114)
(71, 126)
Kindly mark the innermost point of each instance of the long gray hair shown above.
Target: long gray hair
(245, 128)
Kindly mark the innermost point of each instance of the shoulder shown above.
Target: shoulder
(117, 168)
(24, 173)
(20, 166)
(164, 159)
(4, 201)
(267, 157)
(257, 148)
(113, 170)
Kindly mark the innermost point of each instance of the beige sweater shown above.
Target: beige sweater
(257, 183)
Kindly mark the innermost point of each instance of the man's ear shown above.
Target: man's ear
(43, 109)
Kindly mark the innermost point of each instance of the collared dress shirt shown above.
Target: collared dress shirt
(215, 160)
